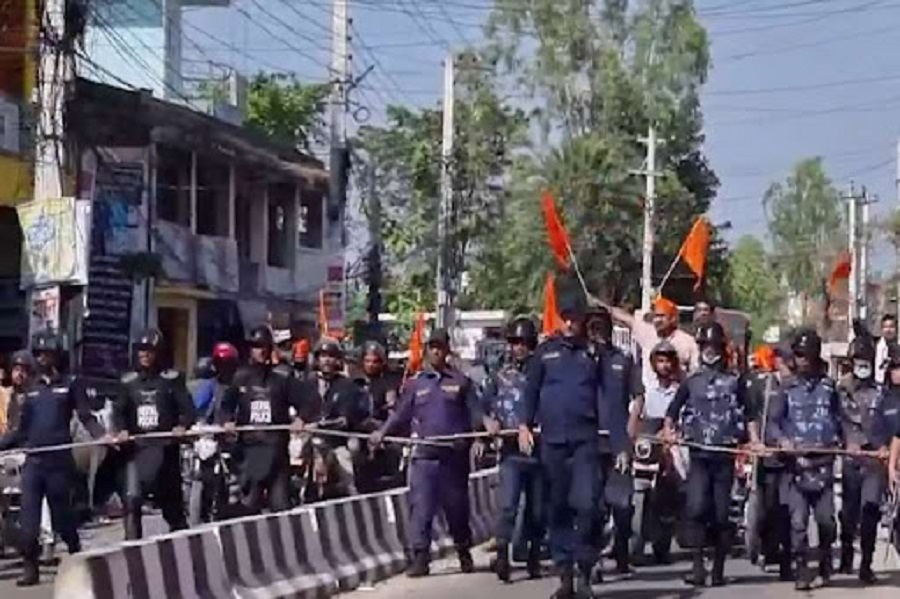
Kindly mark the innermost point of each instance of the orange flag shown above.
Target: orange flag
(841, 270)
(416, 345)
(556, 232)
(323, 315)
(694, 249)
(551, 321)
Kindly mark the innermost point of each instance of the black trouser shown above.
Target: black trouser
(49, 477)
(520, 476)
(709, 483)
(616, 490)
(775, 524)
(821, 503)
(862, 487)
(265, 478)
(154, 471)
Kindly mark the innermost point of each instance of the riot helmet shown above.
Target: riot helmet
(329, 356)
(807, 343)
(23, 358)
(522, 329)
(261, 337)
(862, 356)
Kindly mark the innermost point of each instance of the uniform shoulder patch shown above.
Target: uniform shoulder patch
(129, 377)
(170, 374)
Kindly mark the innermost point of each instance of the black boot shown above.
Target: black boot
(718, 570)
(566, 588)
(466, 564)
(846, 566)
(30, 574)
(501, 566)
(804, 575)
(826, 567)
(866, 575)
(697, 577)
(533, 566)
(419, 566)
(583, 589)
(785, 571)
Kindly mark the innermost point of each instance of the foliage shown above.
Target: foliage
(408, 159)
(278, 106)
(805, 224)
(598, 74)
(753, 283)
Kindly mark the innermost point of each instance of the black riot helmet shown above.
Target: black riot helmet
(330, 346)
(261, 336)
(374, 347)
(862, 348)
(711, 333)
(149, 340)
(599, 324)
(807, 343)
(46, 341)
(23, 358)
(524, 329)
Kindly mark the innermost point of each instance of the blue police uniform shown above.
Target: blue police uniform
(710, 407)
(619, 382)
(561, 394)
(807, 412)
(519, 474)
(438, 403)
(863, 480)
(45, 420)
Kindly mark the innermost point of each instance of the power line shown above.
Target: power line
(277, 37)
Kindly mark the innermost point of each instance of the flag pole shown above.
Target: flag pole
(669, 272)
(577, 270)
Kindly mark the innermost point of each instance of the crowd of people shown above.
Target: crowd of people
(563, 413)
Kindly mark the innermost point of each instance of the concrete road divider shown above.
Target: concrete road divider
(308, 553)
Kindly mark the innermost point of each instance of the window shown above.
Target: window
(213, 181)
(173, 185)
(281, 209)
(309, 221)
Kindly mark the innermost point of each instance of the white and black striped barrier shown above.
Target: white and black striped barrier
(312, 552)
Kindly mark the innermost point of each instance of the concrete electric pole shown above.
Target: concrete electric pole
(649, 210)
(445, 308)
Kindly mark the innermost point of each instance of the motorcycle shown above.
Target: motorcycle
(658, 495)
(213, 484)
(10, 500)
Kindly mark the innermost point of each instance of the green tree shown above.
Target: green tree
(598, 74)
(753, 283)
(805, 219)
(285, 109)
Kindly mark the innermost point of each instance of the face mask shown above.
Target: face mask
(710, 357)
(862, 371)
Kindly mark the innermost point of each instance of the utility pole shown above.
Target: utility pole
(339, 155)
(373, 266)
(649, 211)
(853, 287)
(445, 295)
(865, 240)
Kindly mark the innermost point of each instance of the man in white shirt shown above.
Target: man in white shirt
(888, 338)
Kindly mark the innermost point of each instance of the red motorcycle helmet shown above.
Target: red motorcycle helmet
(224, 352)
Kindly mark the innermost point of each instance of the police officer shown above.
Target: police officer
(520, 475)
(807, 414)
(562, 395)
(888, 422)
(153, 399)
(380, 384)
(709, 406)
(438, 401)
(619, 384)
(45, 419)
(262, 394)
(774, 523)
(864, 478)
(344, 403)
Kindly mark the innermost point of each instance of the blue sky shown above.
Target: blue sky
(790, 78)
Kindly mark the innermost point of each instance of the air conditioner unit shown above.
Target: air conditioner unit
(9, 125)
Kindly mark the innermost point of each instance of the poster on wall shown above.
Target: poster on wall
(44, 309)
(334, 297)
(54, 241)
(117, 191)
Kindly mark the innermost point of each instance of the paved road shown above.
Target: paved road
(92, 538)
(647, 583)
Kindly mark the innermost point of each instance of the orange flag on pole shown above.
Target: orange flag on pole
(695, 247)
(551, 321)
(323, 315)
(556, 232)
(841, 270)
(416, 345)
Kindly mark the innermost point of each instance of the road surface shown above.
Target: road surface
(646, 583)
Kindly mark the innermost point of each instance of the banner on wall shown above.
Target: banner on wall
(54, 241)
(45, 309)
